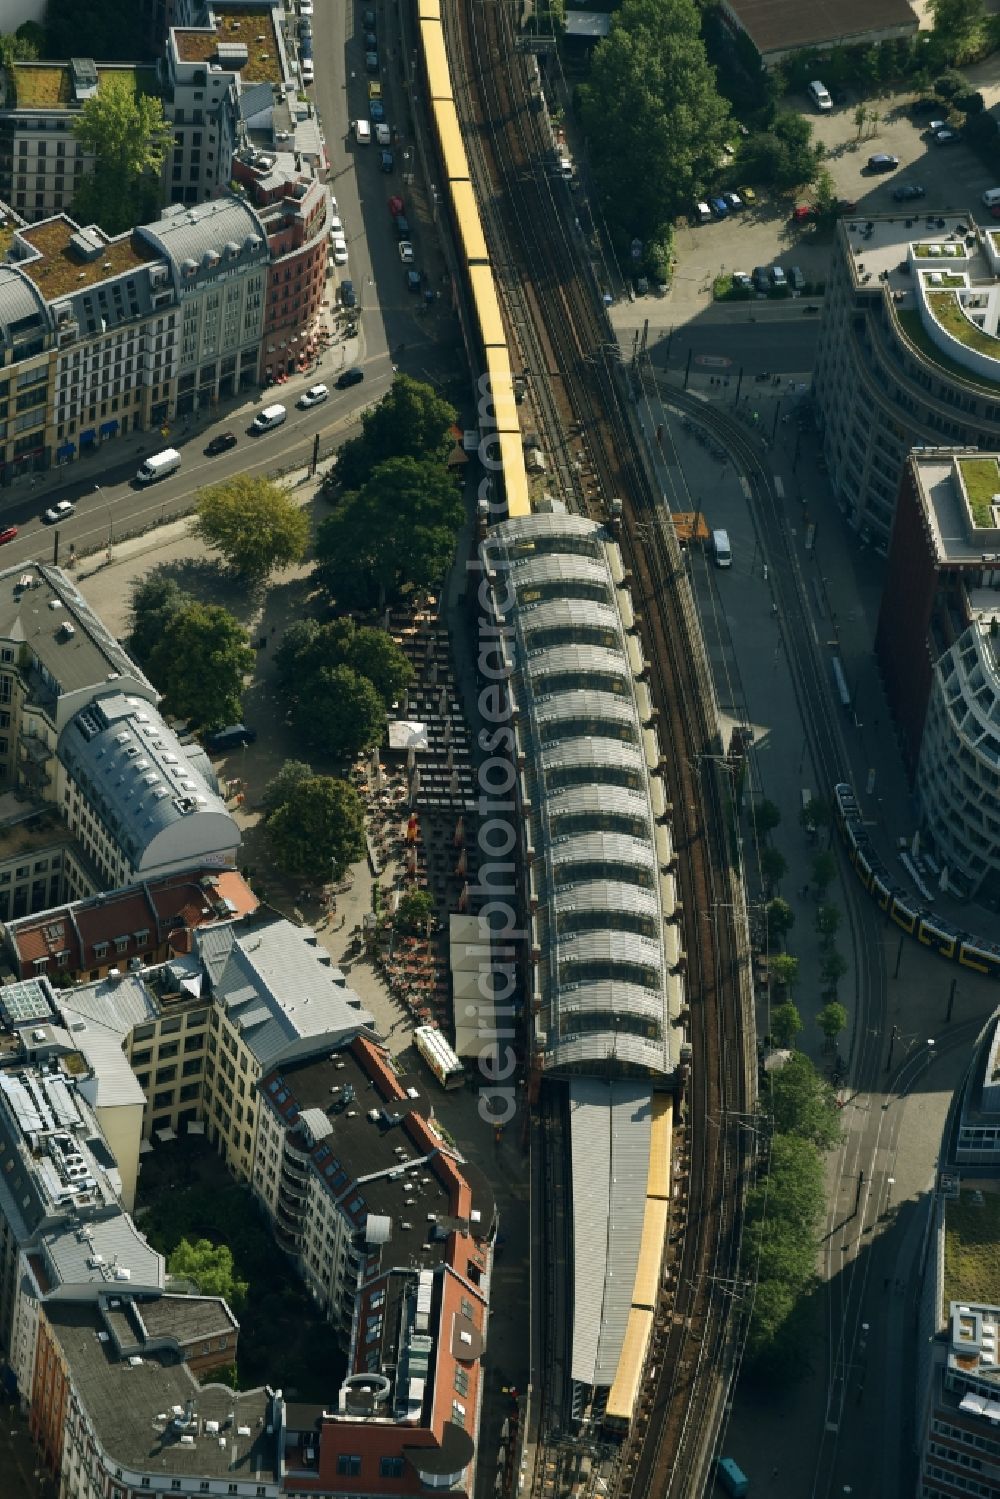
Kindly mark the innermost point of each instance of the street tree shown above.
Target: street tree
(156, 598)
(766, 817)
(773, 866)
(824, 199)
(255, 524)
(125, 131)
(411, 421)
(827, 922)
(960, 26)
(653, 157)
(832, 966)
(199, 663)
(415, 910)
(318, 832)
(802, 1103)
(280, 787)
(398, 532)
(780, 918)
(93, 28)
(823, 869)
(344, 719)
(209, 1267)
(18, 46)
(781, 1230)
(832, 1019)
(308, 647)
(860, 118)
(785, 155)
(784, 970)
(816, 812)
(786, 1022)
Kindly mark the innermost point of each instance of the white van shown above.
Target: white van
(991, 198)
(820, 95)
(721, 549)
(159, 466)
(363, 132)
(268, 419)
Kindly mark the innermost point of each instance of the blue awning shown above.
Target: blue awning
(89, 436)
(67, 450)
(108, 429)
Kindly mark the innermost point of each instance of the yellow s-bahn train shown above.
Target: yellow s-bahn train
(929, 929)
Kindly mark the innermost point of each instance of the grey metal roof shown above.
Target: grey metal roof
(609, 1142)
(278, 988)
(20, 302)
(99, 1017)
(598, 847)
(194, 240)
(147, 789)
(114, 1242)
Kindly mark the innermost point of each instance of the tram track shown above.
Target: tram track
(673, 1430)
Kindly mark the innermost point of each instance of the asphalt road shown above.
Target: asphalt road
(752, 338)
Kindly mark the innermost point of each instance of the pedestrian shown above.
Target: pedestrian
(805, 891)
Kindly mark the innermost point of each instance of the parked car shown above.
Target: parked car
(718, 207)
(733, 202)
(747, 194)
(803, 213)
(305, 7)
(743, 281)
(908, 192)
(61, 510)
(233, 736)
(350, 377)
(386, 161)
(308, 71)
(405, 252)
(368, 20)
(946, 137)
(371, 62)
(796, 278)
(221, 444)
(374, 91)
(336, 225)
(761, 278)
(338, 246)
(306, 47)
(402, 226)
(314, 396)
(371, 41)
(414, 280)
(882, 162)
(383, 135)
(305, 27)
(396, 206)
(346, 294)
(820, 95)
(778, 278)
(7, 534)
(702, 213)
(377, 111)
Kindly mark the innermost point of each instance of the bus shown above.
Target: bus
(439, 1056)
(732, 1477)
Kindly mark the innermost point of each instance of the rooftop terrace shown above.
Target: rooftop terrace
(59, 270)
(972, 1250)
(254, 28)
(981, 477)
(49, 85)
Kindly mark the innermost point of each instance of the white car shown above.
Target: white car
(339, 245)
(61, 510)
(405, 252)
(820, 96)
(314, 396)
(383, 135)
(308, 72)
(336, 227)
(305, 7)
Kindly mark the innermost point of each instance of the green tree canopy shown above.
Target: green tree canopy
(156, 598)
(803, 1103)
(319, 830)
(255, 524)
(832, 1019)
(414, 911)
(199, 663)
(210, 1267)
(125, 130)
(783, 1214)
(20, 46)
(773, 865)
(784, 969)
(824, 867)
(308, 647)
(780, 919)
(832, 966)
(399, 530)
(783, 156)
(786, 1022)
(766, 817)
(346, 718)
(280, 787)
(653, 115)
(411, 421)
(827, 921)
(960, 27)
(93, 28)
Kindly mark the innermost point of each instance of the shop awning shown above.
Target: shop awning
(108, 429)
(67, 450)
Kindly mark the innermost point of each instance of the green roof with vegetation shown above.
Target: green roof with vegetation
(981, 477)
(49, 85)
(912, 325)
(947, 310)
(972, 1250)
(939, 250)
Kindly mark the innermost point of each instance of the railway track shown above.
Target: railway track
(525, 209)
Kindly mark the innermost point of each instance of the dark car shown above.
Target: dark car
(719, 207)
(761, 277)
(306, 46)
(946, 137)
(386, 161)
(221, 444)
(305, 27)
(371, 62)
(347, 297)
(350, 377)
(371, 41)
(414, 280)
(368, 21)
(402, 224)
(233, 736)
(376, 110)
(882, 162)
(907, 193)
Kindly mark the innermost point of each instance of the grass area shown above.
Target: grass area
(981, 477)
(951, 278)
(948, 311)
(943, 250)
(972, 1250)
(254, 28)
(284, 1340)
(42, 85)
(912, 326)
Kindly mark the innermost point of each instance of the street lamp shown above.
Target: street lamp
(111, 522)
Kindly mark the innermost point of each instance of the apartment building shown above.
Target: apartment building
(151, 922)
(908, 354)
(936, 645)
(294, 207)
(41, 162)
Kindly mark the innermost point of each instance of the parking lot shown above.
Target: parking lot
(953, 176)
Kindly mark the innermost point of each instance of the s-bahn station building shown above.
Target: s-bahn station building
(937, 646)
(605, 967)
(908, 354)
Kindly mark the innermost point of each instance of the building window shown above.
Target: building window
(390, 1467)
(348, 1465)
